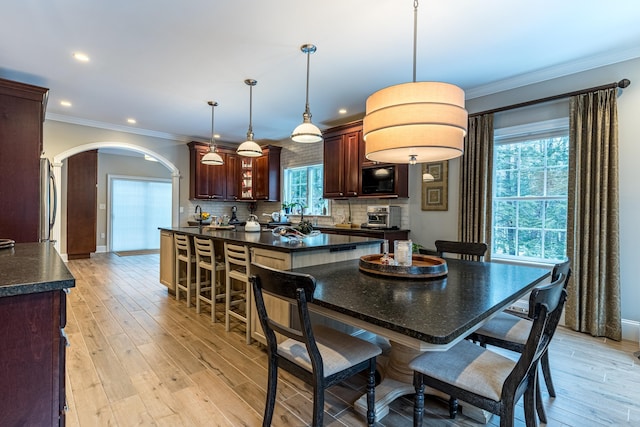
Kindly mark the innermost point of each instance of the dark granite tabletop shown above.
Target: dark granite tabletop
(29, 268)
(265, 239)
(432, 311)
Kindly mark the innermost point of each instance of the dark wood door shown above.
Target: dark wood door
(82, 178)
(31, 359)
(232, 176)
(261, 177)
(351, 143)
(21, 116)
(333, 167)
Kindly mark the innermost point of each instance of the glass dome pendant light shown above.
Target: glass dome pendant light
(249, 148)
(307, 132)
(212, 158)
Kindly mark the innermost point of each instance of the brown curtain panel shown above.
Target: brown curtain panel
(476, 171)
(593, 304)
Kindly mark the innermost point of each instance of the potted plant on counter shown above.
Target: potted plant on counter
(286, 206)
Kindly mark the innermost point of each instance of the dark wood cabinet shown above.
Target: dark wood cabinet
(82, 201)
(266, 174)
(206, 181)
(21, 117)
(342, 161)
(240, 178)
(232, 176)
(33, 358)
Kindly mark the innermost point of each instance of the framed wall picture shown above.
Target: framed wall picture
(435, 194)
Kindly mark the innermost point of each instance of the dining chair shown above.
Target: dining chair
(317, 354)
(468, 250)
(208, 291)
(490, 380)
(184, 254)
(237, 260)
(510, 331)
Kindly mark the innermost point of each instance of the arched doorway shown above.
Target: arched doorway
(57, 171)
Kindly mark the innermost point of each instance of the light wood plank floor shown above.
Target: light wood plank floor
(138, 357)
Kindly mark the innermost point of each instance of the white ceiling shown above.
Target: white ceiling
(160, 61)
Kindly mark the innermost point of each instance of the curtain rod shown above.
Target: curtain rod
(621, 84)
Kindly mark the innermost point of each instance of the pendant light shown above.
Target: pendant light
(415, 122)
(249, 148)
(212, 158)
(307, 132)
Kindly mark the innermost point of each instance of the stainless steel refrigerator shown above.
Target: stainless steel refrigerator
(48, 200)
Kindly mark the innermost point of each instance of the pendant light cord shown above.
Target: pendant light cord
(415, 36)
(250, 130)
(213, 112)
(306, 105)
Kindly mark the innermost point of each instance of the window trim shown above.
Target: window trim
(520, 133)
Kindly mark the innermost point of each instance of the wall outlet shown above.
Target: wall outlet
(102, 235)
(181, 209)
(103, 206)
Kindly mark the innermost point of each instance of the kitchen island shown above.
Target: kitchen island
(33, 279)
(272, 251)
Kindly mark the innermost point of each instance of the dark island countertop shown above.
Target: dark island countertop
(266, 239)
(432, 311)
(29, 268)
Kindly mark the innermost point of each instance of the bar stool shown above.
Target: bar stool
(237, 262)
(206, 260)
(184, 254)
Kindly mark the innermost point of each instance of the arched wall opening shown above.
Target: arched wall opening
(57, 171)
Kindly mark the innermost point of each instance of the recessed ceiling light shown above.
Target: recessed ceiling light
(65, 103)
(216, 135)
(131, 121)
(81, 57)
(342, 111)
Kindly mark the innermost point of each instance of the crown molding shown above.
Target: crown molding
(561, 70)
(118, 128)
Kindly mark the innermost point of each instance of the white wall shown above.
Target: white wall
(429, 226)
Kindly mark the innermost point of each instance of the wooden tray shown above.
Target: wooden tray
(423, 267)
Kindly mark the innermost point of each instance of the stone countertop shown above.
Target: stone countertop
(29, 268)
(433, 311)
(360, 229)
(265, 239)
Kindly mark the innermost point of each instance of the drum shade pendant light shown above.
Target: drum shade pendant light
(307, 132)
(212, 158)
(415, 122)
(249, 148)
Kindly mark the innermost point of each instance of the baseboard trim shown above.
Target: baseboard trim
(100, 249)
(631, 331)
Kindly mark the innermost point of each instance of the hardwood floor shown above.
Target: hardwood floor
(139, 357)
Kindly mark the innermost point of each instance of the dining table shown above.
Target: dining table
(417, 315)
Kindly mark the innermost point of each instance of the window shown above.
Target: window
(304, 186)
(138, 207)
(530, 192)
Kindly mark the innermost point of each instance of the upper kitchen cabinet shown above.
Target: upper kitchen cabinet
(260, 176)
(207, 181)
(21, 116)
(240, 178)
(345, 166)
(342, 161)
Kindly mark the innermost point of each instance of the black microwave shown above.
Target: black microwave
(379, 180)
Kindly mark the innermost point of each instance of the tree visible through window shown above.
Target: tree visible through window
(530, 196)
(303, 186)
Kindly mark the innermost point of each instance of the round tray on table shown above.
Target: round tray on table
(422, 267)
